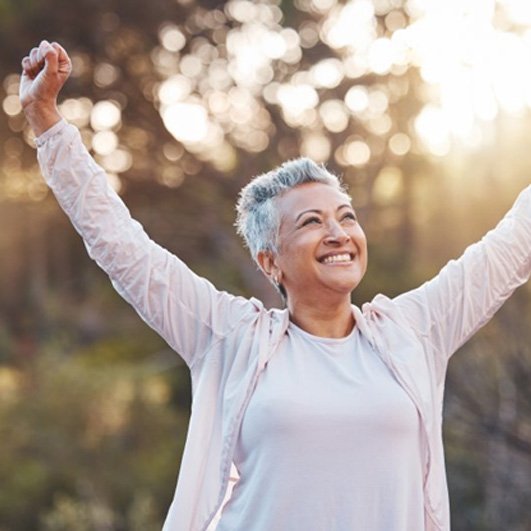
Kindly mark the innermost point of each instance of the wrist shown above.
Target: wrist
(41, 117)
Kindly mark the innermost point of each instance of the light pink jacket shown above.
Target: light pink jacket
(226, 341)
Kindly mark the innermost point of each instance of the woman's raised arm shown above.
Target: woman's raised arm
(467, 292)
(187, 311)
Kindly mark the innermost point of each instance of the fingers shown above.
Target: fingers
(26, 66)
(65, 64)
(60, 50)
(45, 56)
(30, 63)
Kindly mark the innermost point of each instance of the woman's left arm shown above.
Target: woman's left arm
(451, 307)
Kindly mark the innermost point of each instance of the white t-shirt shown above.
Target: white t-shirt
(329, 442)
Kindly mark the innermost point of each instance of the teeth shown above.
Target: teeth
(337, 258)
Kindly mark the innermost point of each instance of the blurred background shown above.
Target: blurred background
(424, 108)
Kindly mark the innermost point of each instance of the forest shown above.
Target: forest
(422, 107)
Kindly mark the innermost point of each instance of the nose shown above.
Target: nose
(337, 235)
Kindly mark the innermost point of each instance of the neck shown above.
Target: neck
(334, 320)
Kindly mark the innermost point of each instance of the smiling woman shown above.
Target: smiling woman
(321, 257)
(301, 229)
(319, 416)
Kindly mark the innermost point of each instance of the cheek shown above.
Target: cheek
(295, 255)
(364, 244)
(360, 239)
(361, 242)
(293, 258)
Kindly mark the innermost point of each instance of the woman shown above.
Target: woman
(322, 416)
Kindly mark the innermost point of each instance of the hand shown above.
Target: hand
(44, 72)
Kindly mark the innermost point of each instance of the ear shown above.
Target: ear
(268, 264)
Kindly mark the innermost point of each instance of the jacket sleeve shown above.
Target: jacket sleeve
(467, 292)
(185, 309)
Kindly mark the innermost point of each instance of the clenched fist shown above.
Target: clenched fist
(44, 72)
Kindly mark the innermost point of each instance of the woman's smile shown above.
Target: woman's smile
(337, 259)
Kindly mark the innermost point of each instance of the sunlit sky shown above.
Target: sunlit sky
(474, 57)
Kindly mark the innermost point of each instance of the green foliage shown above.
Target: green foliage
(87, 444)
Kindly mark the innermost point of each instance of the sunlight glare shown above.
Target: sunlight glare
(295, 99)
(357, 98)
(187, 122)
(118, 161)
(323, 5)
(77, 110)
(350, 25)
(333, 115)
(174, 89)
(483, 69)
(105, 114)
(104, 142)
(242, 10)
(190, 65)
(172, 38)
(381, 56)
(327, 73)
(273, 45)
(519, 11)
(400, 144)
(11, 105)
(388, 185)
(316, 146)
(433, 127)
(357, 153)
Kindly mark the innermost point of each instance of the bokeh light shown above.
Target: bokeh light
(104, 142)
(222, 74)
(172, 38)
(481, 71)
(187, 122)
(105, 115)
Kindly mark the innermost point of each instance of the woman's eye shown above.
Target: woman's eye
(311, 220)
(350, 216)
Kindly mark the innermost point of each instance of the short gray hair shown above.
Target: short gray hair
(257, 220)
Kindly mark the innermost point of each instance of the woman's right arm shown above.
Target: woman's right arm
(187, 311)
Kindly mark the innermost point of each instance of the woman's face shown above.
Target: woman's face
(322, 250)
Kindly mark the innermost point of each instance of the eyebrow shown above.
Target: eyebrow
(317, 211)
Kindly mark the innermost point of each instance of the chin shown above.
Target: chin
(348, 285)
(351, 286)
(345, 288)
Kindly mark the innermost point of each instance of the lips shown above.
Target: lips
(337, 258)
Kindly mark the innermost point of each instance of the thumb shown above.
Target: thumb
(49, 55)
